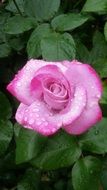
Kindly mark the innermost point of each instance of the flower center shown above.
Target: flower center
(55, 94)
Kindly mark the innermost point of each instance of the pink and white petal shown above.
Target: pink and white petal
(37, 116)
(20, 113)
(54, 72)
(20, 85)
(75, 108)
(87, 119)
(55, 103)
(85, 75)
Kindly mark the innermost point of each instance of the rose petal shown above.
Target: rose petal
(20, 85)
(46, 121)
(37, 117)
(75, 108)
(87, 119)
(84, 74)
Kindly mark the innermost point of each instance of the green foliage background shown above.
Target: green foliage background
(51, 30)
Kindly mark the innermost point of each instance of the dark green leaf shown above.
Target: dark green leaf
(28, 145)
(17, 128)
(100, 65)
(69, 21)
(103, 100)
(60, 185)
(16, 43)
(5, 107)
(41, 9)
(11, 6)
(6, 133)
(2, 37)
(60, 151)
(82, 52)
(99, 50)
(33, 45)
(104, 179)
(58, 47)
(30, 180)
(19, 24)
(5, 50)
(3, 19)
(95, 6)
(104, 96)
(105, 31)
(85, 174)
(95, 140)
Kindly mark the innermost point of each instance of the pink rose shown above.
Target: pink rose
(56, 95)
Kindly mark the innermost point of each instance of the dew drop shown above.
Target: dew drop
(18, 84)
(19, 116)
(98, 95)
(35, 109)
(38, 122)
(53, 130)
(91, 171)
(25, 118)
(46, 123)
(96, 132)
(51, 114)
(37, 115)
(92, 87)
(43, 119)
(31, 121)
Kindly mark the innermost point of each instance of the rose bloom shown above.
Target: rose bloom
(56, 95)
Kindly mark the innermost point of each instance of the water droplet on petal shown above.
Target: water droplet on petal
(46, 123)
(38, 122)
(25, 118)
(37, 115)
(43, 119)
(31, 121)
(18, 84)
(53, 130)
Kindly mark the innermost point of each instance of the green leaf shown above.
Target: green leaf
(16, 43)
(30, 180)
(3, 18)
(12, 8)
(95, 6)
(58, 47)
(85, 174)
(6, 133)
(104, 179)
(33, 45)
(99, 50)
(5, 50)
(2, 37)
(28, 145)
(60, 185)
(95, 140)
(17, 128)
(105, 31)
(19, 24)
(100, 65)
(82, 52)
(104, 96)
(5, 107)
(41, 9)
(70, 21)
(60, 151)
(103, 100)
